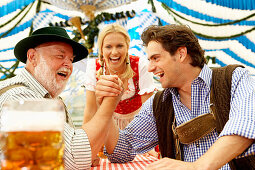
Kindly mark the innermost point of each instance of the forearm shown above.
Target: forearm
(88, 114)
(112, 137)
(90, 106)
(222, 151)
(98, 126)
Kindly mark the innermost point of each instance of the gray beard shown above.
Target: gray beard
(47, 79)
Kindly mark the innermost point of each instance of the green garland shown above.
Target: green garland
(198, 23)
(226, 37)
(7, 32)
(92, 30)
(8, 73)
(14, 17)
(211, 58)
(207, 36)
(153, 8)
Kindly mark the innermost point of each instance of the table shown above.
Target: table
(139, 163)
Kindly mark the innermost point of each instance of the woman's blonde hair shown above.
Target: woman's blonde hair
(116, 28)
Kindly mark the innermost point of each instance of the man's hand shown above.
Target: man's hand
(152, 153)
(167, 163)
(108, 86)
(95, 162)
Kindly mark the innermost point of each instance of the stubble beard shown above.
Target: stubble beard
(47, 78)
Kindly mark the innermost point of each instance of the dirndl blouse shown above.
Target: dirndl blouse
(130, 102)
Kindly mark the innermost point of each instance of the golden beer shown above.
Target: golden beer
(33, 150)
(32, 140)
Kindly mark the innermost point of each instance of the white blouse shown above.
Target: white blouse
(146, 83)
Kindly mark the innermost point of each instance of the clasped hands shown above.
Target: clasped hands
(108, 86)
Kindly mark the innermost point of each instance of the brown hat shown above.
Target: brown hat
(48, 34)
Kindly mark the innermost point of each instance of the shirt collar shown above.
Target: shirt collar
(33, 83)
(204, 76)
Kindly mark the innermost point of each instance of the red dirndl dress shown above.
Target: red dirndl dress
(129, 105)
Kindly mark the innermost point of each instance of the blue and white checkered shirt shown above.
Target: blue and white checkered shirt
(141, 135)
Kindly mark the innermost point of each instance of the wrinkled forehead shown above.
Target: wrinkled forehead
(54, 43)
(56, 46)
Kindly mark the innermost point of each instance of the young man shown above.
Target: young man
(194, 135)
(49, 54)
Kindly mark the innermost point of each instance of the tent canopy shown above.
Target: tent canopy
(225, 28)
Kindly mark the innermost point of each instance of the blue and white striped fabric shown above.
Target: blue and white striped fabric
(238, 50)
(141, 135)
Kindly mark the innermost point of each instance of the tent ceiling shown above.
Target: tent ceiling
(226, 31)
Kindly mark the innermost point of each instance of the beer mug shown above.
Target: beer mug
(31, 135)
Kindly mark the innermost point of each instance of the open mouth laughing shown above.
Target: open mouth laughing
(159, 75)
(114, 59)
(64, 72)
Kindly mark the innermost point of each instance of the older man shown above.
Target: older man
(49, 54)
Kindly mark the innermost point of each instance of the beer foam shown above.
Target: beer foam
(32, 121)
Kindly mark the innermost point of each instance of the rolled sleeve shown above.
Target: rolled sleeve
(77, 149)
(140, 136)
(121, 152)
(242, 112)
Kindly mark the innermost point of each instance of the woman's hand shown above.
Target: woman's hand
(108, 86)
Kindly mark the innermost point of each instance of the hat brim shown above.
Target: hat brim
(21, 48)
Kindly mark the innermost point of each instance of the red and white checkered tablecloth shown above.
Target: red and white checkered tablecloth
(139, 163)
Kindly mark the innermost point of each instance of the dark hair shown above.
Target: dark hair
(172, 37)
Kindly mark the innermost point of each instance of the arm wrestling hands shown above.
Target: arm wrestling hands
(97, 128)
(108, 85)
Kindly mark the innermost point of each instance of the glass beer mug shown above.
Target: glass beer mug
(31, 135)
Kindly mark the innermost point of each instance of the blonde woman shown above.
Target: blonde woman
(113, 45)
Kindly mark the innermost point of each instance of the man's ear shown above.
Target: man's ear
(31, 57)
(182, 53)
